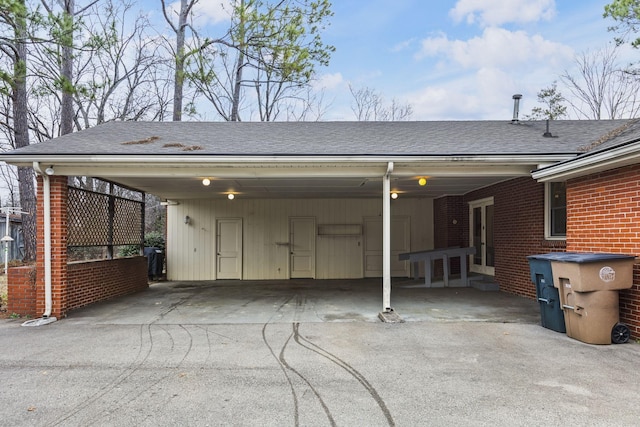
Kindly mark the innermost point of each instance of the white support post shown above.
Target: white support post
(386, 240)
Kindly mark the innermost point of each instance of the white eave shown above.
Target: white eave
(196, 165)
(590, 163)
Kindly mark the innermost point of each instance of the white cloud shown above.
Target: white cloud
(498, 12)
(484, 95)
(329, 81)
(205, 12)
(497, 47)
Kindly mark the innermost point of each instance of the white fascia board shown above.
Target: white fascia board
(589, 164)
(205, 160)
(288, 166)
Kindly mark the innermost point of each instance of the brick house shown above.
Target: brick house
(603, 209)
(288, 200)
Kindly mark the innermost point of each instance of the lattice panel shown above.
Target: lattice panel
(127, 222)
(96, 219)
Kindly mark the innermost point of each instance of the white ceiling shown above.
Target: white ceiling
(176, 188)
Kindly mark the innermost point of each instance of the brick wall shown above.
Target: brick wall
(93, 281)
(518, 231)
(58, 192)
(21, 290)
(603, 215)
(73, 285)
(448, 215)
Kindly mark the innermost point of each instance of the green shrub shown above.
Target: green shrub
(151, 239)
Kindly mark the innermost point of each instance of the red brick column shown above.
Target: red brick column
(58, 194)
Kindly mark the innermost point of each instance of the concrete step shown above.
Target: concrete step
(483, 283)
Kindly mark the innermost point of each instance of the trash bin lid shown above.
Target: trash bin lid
(579, 257)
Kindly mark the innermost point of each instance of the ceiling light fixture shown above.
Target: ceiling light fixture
(206, 182)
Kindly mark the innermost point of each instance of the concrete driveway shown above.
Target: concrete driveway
(148, 360)
(302, 300)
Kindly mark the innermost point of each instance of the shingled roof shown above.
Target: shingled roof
(435, 138)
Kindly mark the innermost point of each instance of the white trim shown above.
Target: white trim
(547, 215)
(207, 159)
(592, 163)
(479, 203)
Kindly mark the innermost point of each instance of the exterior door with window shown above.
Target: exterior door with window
(481, 236)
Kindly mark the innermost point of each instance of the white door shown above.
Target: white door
(481, 236)
(229, 248)
(400, 242)
(302, 242)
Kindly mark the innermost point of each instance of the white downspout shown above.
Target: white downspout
(46, 190)
(386, 240)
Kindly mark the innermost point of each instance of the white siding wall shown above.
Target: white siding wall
(191, 249)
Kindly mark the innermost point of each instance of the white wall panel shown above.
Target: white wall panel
(191, 247)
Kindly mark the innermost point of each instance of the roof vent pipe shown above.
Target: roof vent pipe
(547, 134)
(516, 107)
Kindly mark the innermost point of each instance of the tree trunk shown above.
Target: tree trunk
(178, 85)
(21, 129)
(237, 88)
(66, 72)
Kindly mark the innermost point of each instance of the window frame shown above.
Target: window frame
(547, 213)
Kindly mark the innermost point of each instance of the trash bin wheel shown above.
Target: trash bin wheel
(620, 334)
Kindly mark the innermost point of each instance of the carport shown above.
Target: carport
(338, 168)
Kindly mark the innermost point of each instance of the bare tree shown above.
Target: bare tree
(120, 70)
(601, 88)
(118, 73)
(63, 25)
(369, 105)
(14, 21)
(8, 174)
(180, 55)
(266, 61)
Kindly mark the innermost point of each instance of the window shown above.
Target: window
(556, 210)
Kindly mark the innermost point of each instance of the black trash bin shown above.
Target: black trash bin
(155, 261)
(551, 314)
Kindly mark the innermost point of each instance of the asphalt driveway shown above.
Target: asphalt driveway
(89, 370)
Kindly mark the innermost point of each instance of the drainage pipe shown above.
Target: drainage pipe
(46, 189)
(386, 240)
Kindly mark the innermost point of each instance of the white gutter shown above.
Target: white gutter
(386, 240)
(46, 189)
(590, 163)
(221, 158)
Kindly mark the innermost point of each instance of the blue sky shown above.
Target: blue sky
(454, 60)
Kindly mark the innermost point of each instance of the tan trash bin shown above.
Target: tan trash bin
(588, 286)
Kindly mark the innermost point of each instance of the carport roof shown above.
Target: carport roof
(437, 138)
(317, 159)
